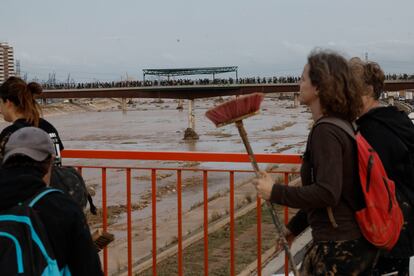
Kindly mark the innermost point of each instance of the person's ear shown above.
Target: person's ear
(46, 177)
(8, 103)
(370, 90)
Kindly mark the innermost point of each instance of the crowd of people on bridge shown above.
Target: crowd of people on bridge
(52, 84)
(170, 82)
(340, 94)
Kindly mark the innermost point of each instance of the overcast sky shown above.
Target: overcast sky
(107, 39)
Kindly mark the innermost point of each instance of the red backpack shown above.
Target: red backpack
(381, 220)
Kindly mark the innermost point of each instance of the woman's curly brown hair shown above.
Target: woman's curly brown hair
(338, 88)
(375, 77)
(370, 74)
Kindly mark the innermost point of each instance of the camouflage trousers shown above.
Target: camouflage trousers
(353, 257)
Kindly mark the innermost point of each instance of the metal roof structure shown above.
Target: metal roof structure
(189, 71)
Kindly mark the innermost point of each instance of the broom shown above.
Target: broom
(235, 111)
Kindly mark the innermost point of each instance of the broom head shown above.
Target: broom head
(101, 239)
(235, 110)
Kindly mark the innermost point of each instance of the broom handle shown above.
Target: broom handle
(246, 143)
(276, 221)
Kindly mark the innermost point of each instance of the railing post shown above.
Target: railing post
(286, 218)
(180, 226)
(205, 193)
(232, 258)
(154, 221)
(259, 236)
(104, 220)
(129, 220)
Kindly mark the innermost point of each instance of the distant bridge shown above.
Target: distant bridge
(192, 91)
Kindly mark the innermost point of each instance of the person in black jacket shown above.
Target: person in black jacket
(18, 106)
(26, 170)
(391, 133)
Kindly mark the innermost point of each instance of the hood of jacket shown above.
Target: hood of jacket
(19, 185)
(397, 121)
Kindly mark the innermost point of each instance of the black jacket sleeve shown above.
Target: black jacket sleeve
(83, 259)
(69, 234)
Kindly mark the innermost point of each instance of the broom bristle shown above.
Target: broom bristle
(101, 239)
(235, 109)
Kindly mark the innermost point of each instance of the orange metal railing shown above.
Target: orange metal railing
(179, 156)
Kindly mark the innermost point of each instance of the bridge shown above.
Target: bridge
(192, 92)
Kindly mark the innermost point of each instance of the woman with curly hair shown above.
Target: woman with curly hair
(391, 133)
(18, 106)
(330, 192)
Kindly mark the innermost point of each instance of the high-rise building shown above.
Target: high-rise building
(6, 62)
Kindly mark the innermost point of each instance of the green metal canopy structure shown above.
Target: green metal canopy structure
(189, 71)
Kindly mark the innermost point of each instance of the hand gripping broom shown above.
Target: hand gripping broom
(235, 111)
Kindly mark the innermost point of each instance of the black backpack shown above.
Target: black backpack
(24, 245)
(69, 180)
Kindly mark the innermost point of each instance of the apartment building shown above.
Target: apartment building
(6, 62)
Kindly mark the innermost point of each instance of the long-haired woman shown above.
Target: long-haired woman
(330, 192)
(19, 107)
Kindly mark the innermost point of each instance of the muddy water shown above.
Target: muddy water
(161, 127)
(151, 126)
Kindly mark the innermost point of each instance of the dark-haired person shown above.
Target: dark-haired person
(27, 163)
(391, 133)
(19, 107)
(329, 174)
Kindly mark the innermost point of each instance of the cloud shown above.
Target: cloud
(296, 48)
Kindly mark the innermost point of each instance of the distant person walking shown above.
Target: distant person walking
(330, 192)
(19, 107)
(27, 163)
(391, 133)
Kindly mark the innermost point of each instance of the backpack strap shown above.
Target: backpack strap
(92, 206)
(342, 124)
(349, 129)
(41, 194)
